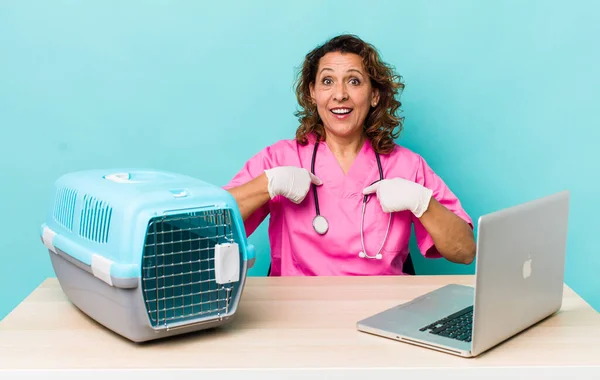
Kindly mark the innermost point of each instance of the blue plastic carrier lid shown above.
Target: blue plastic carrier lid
(100, 218)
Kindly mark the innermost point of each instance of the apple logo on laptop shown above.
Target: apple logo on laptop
(527, 267)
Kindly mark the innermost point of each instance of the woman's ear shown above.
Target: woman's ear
(311, 87)
(375, 97)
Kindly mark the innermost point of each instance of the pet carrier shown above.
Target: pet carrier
(148, 254)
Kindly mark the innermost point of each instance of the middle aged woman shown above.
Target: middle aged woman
(367, 191)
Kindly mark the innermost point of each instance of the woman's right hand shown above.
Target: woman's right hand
(291, 182)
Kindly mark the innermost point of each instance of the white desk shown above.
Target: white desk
(289, 328)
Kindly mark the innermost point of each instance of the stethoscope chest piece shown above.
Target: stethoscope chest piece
(320, 224)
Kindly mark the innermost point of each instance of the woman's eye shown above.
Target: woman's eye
(354, 81)
(327, 81)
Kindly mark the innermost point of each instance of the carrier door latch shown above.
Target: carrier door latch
(227, 263)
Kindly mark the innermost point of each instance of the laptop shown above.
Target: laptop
(519, 278)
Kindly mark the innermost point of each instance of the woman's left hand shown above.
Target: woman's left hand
(398, 194)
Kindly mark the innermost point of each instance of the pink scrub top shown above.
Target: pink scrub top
(298, 250)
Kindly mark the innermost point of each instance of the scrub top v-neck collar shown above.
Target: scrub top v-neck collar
(350, 184)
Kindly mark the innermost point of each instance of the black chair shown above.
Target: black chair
(408, 266)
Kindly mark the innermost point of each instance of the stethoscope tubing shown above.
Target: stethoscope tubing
(365, 198)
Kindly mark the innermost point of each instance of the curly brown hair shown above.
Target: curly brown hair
(381, 121)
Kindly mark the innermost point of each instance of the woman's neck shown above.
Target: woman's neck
(345, 147)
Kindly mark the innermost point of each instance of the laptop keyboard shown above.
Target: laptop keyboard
(456, 326)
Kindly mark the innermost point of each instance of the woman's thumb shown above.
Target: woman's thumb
(315, 180)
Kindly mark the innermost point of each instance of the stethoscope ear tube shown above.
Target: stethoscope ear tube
(363, 253)
(314, 187)
(320, 223)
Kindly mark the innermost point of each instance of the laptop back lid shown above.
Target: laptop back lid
(520, 268)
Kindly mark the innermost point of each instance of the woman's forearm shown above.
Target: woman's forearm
(251, 195)
(452, 236)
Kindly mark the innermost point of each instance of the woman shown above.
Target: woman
(346, 138)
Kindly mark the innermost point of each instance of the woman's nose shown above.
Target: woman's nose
(340, 93)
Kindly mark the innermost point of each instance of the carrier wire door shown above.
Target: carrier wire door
(179, 281)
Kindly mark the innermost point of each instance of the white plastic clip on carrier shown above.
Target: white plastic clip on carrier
(148, 254)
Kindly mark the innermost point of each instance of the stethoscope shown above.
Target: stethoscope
(321, 225)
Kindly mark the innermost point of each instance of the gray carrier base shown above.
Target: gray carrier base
(119, 307)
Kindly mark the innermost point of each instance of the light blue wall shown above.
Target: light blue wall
(500, 99)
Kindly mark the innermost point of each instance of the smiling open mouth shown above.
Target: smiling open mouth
(341, 111)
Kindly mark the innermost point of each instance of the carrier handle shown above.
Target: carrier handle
(120, 178)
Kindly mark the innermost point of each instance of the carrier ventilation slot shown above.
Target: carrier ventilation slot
(64, 207)
(95, 219)
(178, 274)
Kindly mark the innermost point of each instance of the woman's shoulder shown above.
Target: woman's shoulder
(404, 162)
(279, 152)
(404, 155)
(283, 146)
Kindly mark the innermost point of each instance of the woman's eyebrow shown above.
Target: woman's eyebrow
(348, 71)
(325, 68)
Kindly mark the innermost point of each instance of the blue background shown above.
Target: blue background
(500, 99)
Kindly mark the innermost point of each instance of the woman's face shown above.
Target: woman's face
(343, 94)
